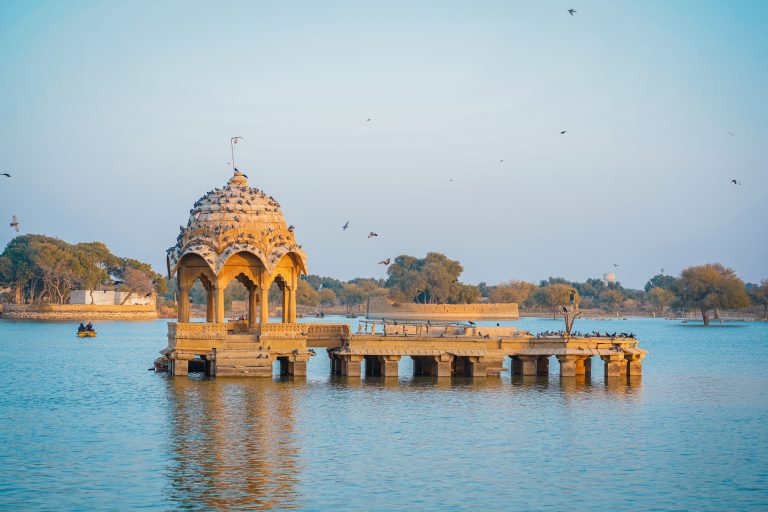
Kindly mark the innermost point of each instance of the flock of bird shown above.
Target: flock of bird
(578, 334)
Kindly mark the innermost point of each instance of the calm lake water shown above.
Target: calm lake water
(84, 425)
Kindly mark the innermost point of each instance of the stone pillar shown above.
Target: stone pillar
(580, 368)
(635, 367)
(335, 363)
(179, 364)
(542, 365)
(182, 304)
(613, 365)
(568, 365)
(350, 365)
(477, 366)
(389, 366)
(253, 301)
(493, 366)
(210, 307)
(286, 304)
(588, 366)
(529, 364)
(292, 306)
(297, 368)
(441, 365)
(263, 305)
(218, 293)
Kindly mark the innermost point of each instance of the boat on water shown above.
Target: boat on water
(161, 364)
(86, 334)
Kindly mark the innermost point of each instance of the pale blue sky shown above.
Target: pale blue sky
(116, 117)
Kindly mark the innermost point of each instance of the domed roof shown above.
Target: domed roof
(235, 218)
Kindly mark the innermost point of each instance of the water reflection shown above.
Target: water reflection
(232, 444)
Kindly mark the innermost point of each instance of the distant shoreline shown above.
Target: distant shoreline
(78, 312)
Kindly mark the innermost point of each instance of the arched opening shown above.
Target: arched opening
(285, 298)
(195, 283)
(201, 299)
(241, 301)
(243, 273)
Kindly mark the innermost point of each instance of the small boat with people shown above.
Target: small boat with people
(86, 331)
(161, 364)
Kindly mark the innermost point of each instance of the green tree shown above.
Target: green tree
(663, 281)
(433, 279)
(327, 297)
(511, 291)
(758, 295)
(306, 295)
(352, 295)
(611, 299)
(44, 269)
(708, 287)
(555, 296)
(660, 298)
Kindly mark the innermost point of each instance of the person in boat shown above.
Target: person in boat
(89, 327)
(81, 327)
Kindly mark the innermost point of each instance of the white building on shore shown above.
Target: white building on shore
(110, 298)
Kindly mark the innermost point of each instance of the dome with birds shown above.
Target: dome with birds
(236, 219)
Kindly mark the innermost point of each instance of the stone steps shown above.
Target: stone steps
(243, 361)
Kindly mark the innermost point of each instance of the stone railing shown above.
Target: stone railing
(196, 330)
(283, 329)
(327, 335)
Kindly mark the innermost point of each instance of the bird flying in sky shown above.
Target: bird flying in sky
(572, 11)
(372, 234)
(385, 262)
(15, 224)
(615, 264)
(5, 174)
(345, 226)
(736, 182)
(563, 132)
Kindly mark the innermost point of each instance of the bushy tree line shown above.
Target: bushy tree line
(42, 269)
(434, 279)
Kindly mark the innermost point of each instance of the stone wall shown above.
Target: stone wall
(79, 312)
(382, 309)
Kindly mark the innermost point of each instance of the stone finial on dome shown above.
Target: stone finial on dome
(238, 179)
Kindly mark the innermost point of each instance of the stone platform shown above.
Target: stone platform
(235, 349)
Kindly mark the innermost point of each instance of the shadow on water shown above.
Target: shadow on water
(232, 444)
